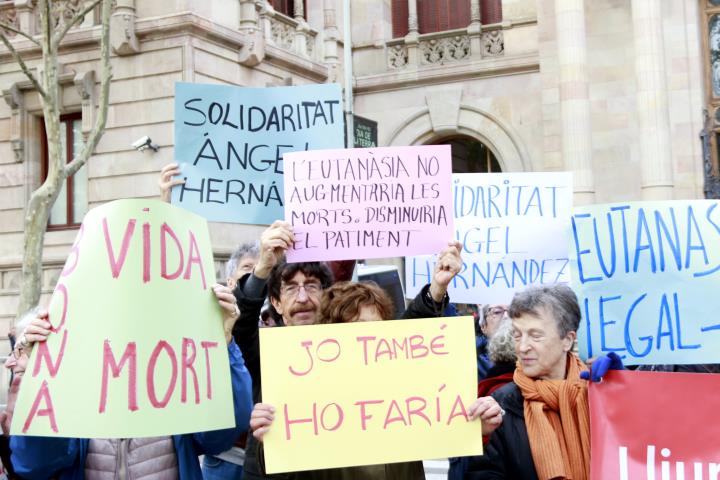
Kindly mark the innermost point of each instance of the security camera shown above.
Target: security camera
(144, 142)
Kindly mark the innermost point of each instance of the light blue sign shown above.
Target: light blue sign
(514, 229)
(229, 143)
(647, 275)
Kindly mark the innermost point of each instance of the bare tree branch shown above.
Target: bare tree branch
(22, 64)
(77, 18)
(5, 26)
(106, 76)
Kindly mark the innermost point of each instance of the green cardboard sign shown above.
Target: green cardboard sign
(138, 347)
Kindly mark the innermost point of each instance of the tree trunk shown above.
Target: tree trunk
(41, 201)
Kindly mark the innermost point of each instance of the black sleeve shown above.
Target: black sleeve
(423, 306)
(246, 330)
(489, 466)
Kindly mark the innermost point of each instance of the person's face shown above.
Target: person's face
(299, 300)
(245, 265)
(17, 361)
(368, 313)
(494, 316)
(539, 347)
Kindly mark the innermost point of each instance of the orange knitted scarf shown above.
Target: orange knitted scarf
(558, 423)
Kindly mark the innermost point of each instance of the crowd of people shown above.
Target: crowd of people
(531, 404)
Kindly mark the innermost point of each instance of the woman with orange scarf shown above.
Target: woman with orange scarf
(545, 433)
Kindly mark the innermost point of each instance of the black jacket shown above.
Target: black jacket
(508, 454)
(250, 300)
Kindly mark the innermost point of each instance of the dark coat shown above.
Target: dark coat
(246, 334)
(508, 454)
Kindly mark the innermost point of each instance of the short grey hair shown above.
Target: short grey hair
(244, 250)
(502, 345)
(557, 300)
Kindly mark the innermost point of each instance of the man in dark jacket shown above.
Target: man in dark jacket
(294, 291)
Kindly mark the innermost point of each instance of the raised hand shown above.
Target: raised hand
(274, 241)
(166, 181)
(448, 265)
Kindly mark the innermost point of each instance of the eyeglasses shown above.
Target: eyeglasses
(497, 311)
(293, 289)
(12, 361)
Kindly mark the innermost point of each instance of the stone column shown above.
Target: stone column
(253, 50)
(411, 39)
(301, 32)
(574, 97)
(652, 103)
(299, 12)
(330, 40)
(25, 16)
(248, 16)
(475, 30)
(122, 28)
(85, 85)
(15, 99)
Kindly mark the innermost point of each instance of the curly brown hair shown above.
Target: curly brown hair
(341, 302)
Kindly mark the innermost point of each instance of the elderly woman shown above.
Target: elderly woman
(546, 432)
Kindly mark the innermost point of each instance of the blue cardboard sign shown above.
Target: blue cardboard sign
(647, 277)
(515, 230)
(229, 143)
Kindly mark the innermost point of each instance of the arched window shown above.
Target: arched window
(470, 155)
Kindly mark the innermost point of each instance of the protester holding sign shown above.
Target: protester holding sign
(546, 432)
(176, 456)
(347, 302)
(294, 291)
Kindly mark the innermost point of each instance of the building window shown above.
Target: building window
(441, 15)
(491, 11)
(470, 156)
(71, 204)
(710, 20)
(287, 7)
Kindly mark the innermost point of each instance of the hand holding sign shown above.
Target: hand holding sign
(274, 242)
(261, 419)
(447, 266)
(488, 410)
(37, 331)
(231, 312)
(166, 181)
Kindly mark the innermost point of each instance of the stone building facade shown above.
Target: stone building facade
(612, 90)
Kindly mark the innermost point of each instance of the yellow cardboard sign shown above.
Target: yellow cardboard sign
(369, 393)
(138, 347)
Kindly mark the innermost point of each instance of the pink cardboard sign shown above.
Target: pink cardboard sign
(368, 202)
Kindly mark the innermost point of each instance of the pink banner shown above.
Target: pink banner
(368, 202)
(653, 425)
